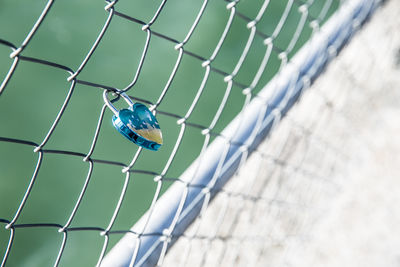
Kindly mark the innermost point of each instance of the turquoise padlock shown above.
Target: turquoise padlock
(136, 123)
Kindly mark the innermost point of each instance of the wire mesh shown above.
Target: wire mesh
(272, 209)
(266, 205)
(196, 79)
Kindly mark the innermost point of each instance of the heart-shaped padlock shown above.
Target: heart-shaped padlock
(136, 123)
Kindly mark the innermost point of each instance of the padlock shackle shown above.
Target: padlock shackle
(111, 106)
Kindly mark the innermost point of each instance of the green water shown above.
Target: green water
(36, 92)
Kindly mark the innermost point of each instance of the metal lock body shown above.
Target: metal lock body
(136, 123)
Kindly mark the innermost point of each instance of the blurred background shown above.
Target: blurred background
(36, 92)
